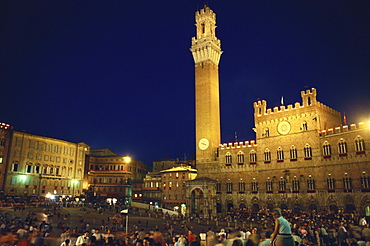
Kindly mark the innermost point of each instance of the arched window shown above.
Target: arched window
(293, 153)
(241, 185)
(359, 144)
(331, 182)
(327, 149)
(347, 182)
(267, 155)
(295, 184)
(228, 158)
(240, 157)
(282, 184)
(218, 186)
(266, 132)
(310, 183)
(280, 154)
(342, 146)
(252, 157)
(254, 185)
(229, 186)
(307, 151)
(269, 185)
(365, 181)
(304, 126)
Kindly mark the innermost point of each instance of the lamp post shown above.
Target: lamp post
(40, 178)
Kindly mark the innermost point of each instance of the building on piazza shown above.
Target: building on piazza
(303, 157)
(35, 165)
(109, 175)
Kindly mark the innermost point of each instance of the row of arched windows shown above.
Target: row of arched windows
(359, 145)
(296, 184)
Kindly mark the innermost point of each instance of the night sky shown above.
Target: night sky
(119, 73)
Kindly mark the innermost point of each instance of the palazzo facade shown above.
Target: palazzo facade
(303, 157)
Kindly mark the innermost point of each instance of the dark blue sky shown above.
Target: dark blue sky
(119, 73)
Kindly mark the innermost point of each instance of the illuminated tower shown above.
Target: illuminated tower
(206, 50)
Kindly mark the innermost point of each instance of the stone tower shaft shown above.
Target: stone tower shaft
(206, 51)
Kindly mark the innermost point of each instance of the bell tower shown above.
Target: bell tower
(206, 50)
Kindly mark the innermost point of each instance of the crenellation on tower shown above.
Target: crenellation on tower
(309, 97)
(238, 145)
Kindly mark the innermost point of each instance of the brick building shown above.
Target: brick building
(303, 157)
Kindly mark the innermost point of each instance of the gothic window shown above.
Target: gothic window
(347, 182)
(269, 184)
(218, 186)
(280, 154)
(304, 126)
(266, 132)
(253, 157)
(295, 184)
(228, 158)
(229, 186)
(240, 157)
(310, 183)
(331, 182)
(365, 181)
(267, 155)
(359, 144)
(241, 185)
(293, 152)
(342, 146)
(203, 28)
(254, 184)
(327, 149)
(282, 184)
(307, 151)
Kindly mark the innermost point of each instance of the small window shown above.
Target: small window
(342, 146)
(280, 154)
(293, 152)
(240, 157)
(267, 155)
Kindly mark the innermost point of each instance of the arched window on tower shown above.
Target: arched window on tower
(267, 155)
(241, 186)
(280, 155)
(254, 185)
(365, 181)
(307, 152)
(295, 185)
(293, 153)
(228, 158)
(266, 132)
(269, 185)
(342, 147)
(218, 186)
(311, 183)
(282, 185)
(347, 183)
(304, 126)
(229, 186)
(331, 183)
(359, 145)
(252, 157)
(240, 157)
(327, 150)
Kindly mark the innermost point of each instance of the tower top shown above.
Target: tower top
(206, 46)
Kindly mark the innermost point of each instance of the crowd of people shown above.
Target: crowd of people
(278, 228)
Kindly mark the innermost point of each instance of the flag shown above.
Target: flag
(282, 100)
(344, 119)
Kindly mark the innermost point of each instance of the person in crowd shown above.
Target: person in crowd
(282, 235)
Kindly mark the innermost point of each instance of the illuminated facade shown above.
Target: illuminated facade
(303, 157)
(112, 175)
(167, 188)
(38, 165)
(5, 130)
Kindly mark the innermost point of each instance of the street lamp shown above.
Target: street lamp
(40, 178)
